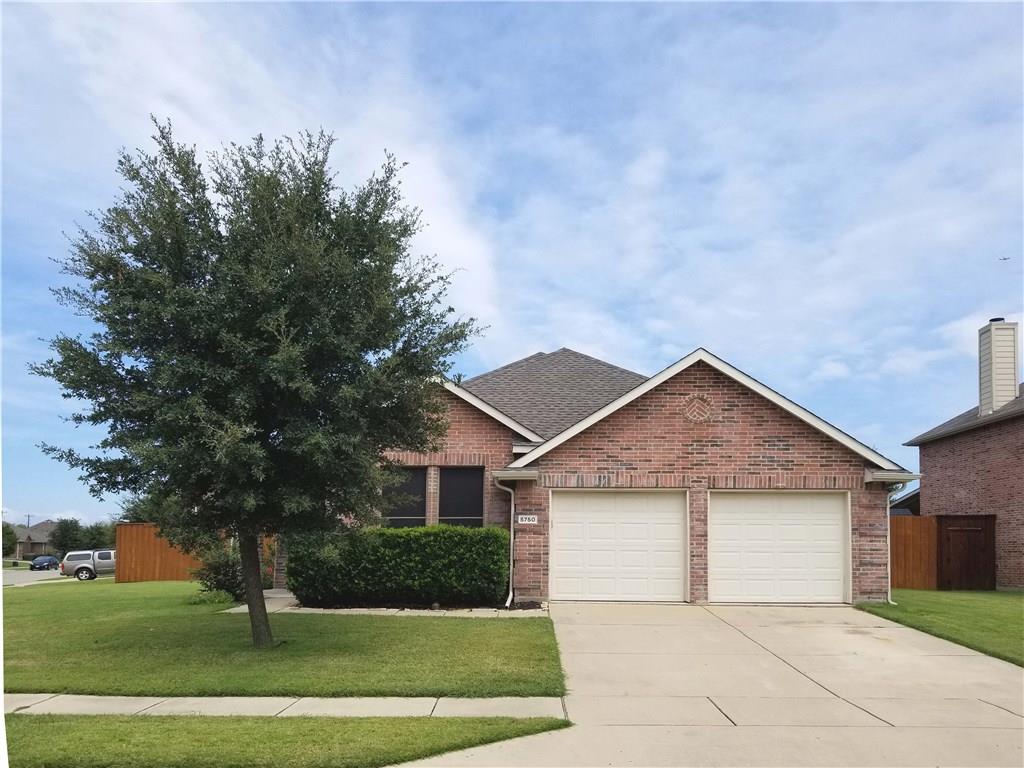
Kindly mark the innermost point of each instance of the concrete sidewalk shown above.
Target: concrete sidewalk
(282, 706)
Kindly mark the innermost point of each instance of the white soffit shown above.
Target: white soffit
(702, 355)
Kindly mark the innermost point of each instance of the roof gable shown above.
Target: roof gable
(493, 412)
(702, 355)
(549, 392)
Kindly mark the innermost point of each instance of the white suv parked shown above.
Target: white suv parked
(88, 564)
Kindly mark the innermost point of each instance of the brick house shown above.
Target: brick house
(974, 463)
(697, 484)
(33, 540)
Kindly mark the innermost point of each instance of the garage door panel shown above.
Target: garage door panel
(573, 558)
(667, 560)
(632, 545)
(596, 559)
(599, 503)
(777, 547)
(633, 532)
(634, 560)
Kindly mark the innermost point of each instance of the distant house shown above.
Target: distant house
(907, 504)
(973, 464)
(34, 540)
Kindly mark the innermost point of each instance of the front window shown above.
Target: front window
(407, 505)
(461, 500)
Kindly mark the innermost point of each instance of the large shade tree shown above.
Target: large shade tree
(261, 339)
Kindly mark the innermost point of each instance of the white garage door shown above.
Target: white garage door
(611, 545)
(777, 547)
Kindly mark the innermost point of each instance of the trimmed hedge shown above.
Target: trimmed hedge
(400, 567)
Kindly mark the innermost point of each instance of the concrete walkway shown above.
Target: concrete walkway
(680, 685)
(283, 601)
(20, 577)
(282, 706)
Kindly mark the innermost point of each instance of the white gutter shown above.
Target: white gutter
(892, 489)
(511, 535)
(889, 476)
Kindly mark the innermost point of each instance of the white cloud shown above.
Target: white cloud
(219, 79)
(911, 361)
(961, 335)
(830, 369)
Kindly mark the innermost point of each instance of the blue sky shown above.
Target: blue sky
(824, 195)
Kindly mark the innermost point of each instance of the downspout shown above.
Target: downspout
(511, 535)
(891, 489)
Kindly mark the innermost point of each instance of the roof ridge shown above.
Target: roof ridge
(602, 362)
(507, 366)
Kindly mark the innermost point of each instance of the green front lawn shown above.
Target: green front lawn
(87, 741)
(990, 622)
(149, 639)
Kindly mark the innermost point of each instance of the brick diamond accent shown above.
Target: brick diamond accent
(697, 409)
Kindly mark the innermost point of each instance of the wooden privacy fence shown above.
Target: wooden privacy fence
(943, 552)
(913, 552)
(144, 556)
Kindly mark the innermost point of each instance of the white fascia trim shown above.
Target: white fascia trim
(889, 476)
(703, 356)
(493, 412)
(515, 474)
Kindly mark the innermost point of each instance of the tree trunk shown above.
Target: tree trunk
(249, 549)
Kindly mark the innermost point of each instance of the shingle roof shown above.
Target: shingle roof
(39, 532)
(550, 391)
(971, 419)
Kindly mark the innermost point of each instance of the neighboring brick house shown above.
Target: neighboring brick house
(974, 463)
(33, 540)
(909, 504)
(697, 484)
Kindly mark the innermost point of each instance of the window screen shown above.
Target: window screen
(407, 505)
(461, 499)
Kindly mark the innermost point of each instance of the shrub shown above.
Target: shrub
(221, 571)
(400, 567)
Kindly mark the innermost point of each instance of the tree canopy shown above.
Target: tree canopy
(262, 338)
(66, 536)
(9, 539)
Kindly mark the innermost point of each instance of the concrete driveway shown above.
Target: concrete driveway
(672, 685)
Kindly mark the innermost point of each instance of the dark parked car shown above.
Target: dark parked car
(44, 563)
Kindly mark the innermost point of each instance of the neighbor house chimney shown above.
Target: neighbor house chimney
(997, 364)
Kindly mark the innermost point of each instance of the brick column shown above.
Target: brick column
(531, 544)
(697, 495)
(433, 494)
(280, 564)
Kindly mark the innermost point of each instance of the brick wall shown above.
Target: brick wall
(738, 440)
(981, 472)
(474, 439)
